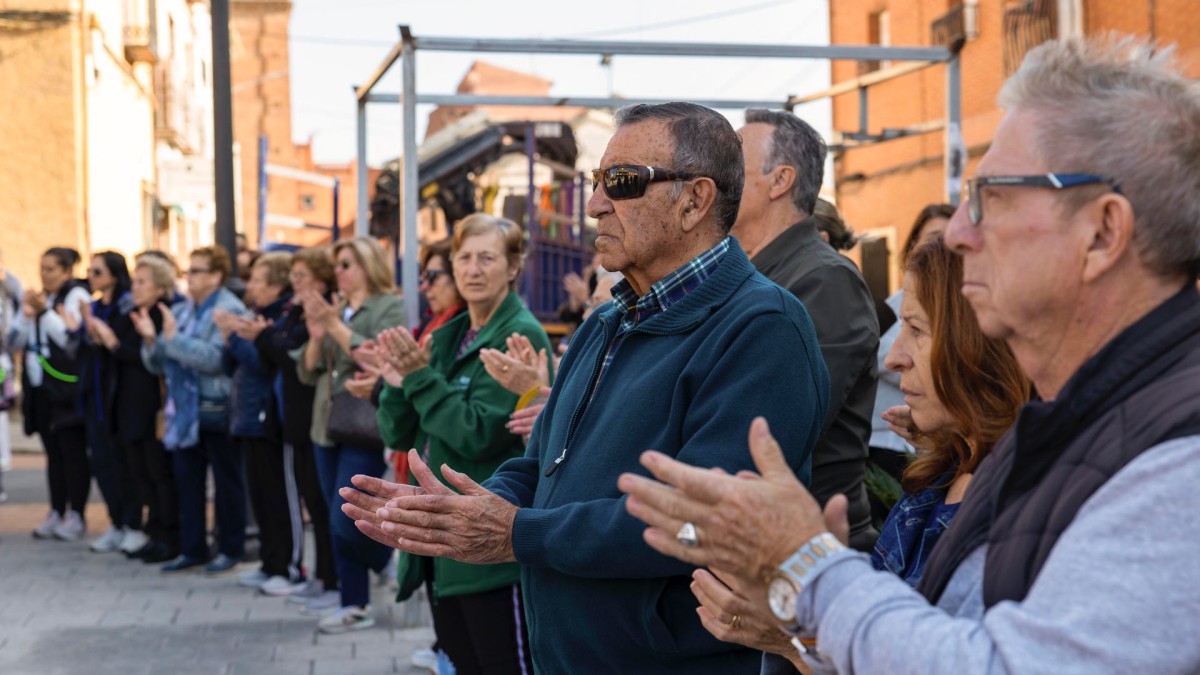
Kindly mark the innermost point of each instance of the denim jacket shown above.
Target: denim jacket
(911, 531)
(197, 387)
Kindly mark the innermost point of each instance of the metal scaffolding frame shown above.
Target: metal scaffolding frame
(405, 51)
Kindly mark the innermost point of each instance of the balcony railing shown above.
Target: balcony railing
(956, 27)
(175, 117)
(1027, 24)
(139, 31)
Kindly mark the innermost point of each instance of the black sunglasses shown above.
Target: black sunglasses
(430, 276)
(628, 181)
(1054, 181)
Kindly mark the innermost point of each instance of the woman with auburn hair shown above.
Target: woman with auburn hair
(965, 390)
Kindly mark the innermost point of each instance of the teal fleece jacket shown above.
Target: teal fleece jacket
(686, 382)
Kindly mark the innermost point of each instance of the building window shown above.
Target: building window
(878, 33)
(1027, 24)
(307, 202)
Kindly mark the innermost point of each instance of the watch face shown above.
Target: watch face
(782, 596)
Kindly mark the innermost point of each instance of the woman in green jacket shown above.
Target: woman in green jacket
(368, 306)
(444, 404)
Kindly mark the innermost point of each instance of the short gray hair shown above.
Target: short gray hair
(705, 145)
(794, 143)
(1122, 109)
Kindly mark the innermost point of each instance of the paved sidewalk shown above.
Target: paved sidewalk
(65, 610)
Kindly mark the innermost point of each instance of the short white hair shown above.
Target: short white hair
(1122, 108)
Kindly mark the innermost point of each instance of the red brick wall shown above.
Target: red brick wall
(885, 185)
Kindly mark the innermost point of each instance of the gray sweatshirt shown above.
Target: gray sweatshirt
(1120, 593)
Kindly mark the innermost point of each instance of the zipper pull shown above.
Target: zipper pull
(558, 462)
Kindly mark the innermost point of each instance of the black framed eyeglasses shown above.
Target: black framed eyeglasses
(629, 181)
(1054, 181)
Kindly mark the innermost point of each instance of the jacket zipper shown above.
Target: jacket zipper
(587, 399)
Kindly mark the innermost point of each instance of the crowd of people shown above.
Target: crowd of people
(1029, 393)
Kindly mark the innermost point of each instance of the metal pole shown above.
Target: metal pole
(408, 272)
(337, 189)
(533, 292)
(955, 161)
(361, 226)
(223, 132)
(862, 110)
(262, 189)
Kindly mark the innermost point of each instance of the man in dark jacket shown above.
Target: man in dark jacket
(785, 162)
(694, 344)
(270, 483)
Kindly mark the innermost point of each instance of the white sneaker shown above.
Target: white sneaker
(345, 620)
(108, 542)
(252, 578)
(71, 528)
(322, 603)
(133, 541)
(46, 529)
(280, 586)
(311, 590)
(425, 658)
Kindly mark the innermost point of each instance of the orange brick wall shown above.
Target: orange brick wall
(262, 103)
(880, 188)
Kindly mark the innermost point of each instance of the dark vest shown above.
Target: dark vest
(1142, 389)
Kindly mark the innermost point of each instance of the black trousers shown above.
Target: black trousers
(151, 474)
(304, 465)
(67, 472)
(275, 500)
(484, 633)
(112, 474)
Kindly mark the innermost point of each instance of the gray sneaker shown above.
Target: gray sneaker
(345, 620)
(311, 590)
(71, 528)
(46, 529)
(322, 603)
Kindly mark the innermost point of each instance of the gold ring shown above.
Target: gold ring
(735, 622)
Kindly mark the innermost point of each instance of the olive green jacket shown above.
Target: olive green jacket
(461, 411)
(377, 313)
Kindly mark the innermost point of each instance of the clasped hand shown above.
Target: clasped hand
(431, 519)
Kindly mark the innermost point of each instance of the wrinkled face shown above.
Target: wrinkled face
(756, 146)
(100, 278)
(202, 281)
(54, 275)
(481, 269)
(145, 292)
(911, 357)
(351, 277)
(303, 280)
(633, 234)
(1021, 264)
(438, 286)
(259, 291)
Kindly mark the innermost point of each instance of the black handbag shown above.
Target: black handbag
(351, 421)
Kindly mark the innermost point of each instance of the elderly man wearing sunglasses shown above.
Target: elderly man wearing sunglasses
(694, 344)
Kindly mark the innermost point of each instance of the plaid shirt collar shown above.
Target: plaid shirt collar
(668, 290)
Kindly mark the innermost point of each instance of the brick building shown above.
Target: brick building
(262, 106)
(103, 93)
(880, 188)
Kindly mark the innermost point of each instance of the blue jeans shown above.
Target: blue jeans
(354, 553)
(229, 477)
